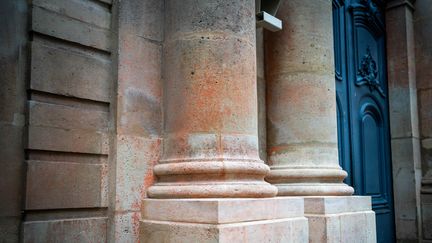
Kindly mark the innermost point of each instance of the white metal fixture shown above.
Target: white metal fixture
(266, 12)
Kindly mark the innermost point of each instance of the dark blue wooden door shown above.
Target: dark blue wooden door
(362, 105)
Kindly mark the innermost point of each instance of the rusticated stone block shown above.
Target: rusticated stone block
(83, 10)
(64, 71)
(66, 117)
(53, 185)
(70, 29)
(92, 230)
(65, 140)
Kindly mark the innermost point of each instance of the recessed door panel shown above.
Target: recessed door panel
(371, 155)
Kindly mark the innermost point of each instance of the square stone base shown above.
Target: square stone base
(340, 219)
(223, 220)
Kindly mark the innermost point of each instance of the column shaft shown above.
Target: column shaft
(301, 102)
(210, 103)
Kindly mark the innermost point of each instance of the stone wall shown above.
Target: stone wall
(91, 99)
(423, 37)
(404, 126)
(81, 116)
(137, 115)
(13, 49)
(69, 102)
(94, 113)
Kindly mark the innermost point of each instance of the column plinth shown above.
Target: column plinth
(301, 103)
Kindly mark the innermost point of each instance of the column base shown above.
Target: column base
(340, 219)
(223, 220)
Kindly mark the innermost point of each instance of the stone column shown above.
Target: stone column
(210, 102)
(301, 104)
(302, 125)
(404, 120)
(423, 57)
(210, 174)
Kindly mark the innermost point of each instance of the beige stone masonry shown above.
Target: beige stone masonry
(210, 145)
(224, 220)
(340, 219)
(302, 126)
(210, 180)
(301, 106)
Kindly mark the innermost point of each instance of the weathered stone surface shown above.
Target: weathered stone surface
(70, 29)
(60, 116)
(262, 117)
(140, 86)
(10, 228)
(13, 59)
(260, 53)
(68, 230)
(214, 211)
(404, 119)
(127, 226)
(223, 220)
(340, 219)
(210, 103)
(401, 72)
(136, 157)
(138, 112)
(63, 70)
(301, 106)
(142, 18)
(261, 94)
(423, 45)
(425, 105)
(282, 230)
(403, 112)
(82, 10)
(406, 186)
(51, 186)
(426, 207)
(11, 182)
(66, 140)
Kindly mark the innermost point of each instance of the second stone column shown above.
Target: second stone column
(301, 102)
(302, 126)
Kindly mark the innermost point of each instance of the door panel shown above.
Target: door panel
(363, 124)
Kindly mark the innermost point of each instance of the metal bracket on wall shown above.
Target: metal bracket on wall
(266, 12)
(268, 22)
